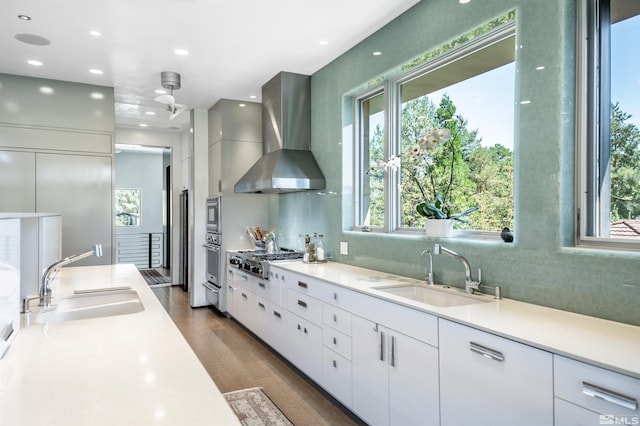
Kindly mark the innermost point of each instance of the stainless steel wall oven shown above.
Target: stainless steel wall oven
(213, 286)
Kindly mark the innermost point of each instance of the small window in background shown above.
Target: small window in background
(610, 206)
(127, 207)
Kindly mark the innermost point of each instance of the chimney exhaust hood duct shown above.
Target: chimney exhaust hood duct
(287, 164)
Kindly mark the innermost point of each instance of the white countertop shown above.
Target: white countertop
(132, 369)
(608, 344)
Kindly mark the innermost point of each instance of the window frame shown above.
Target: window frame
(391, 88)
(593, 108)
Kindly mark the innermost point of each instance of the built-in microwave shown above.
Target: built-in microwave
(214, 211)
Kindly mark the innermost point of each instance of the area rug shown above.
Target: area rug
(254, 408)
(153, 277)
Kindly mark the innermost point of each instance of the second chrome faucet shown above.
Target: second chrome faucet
(470, 286)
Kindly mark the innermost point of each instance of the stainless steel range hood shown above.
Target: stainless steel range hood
(287, 164)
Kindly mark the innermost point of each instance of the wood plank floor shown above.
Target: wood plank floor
(236, 359)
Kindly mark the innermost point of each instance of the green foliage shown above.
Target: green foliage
(439, 185)
(458, 179)
(625, 166)
(483, 29)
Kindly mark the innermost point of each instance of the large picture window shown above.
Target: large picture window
(609, 123)
(443, 136)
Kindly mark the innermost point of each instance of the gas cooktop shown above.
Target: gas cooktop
(256, 262)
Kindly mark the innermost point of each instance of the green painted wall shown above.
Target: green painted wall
(542, 266)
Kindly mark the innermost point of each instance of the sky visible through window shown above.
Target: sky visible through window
(625, 67)
(484, 101)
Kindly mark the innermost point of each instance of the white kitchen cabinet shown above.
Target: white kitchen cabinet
(243, 300)
(232, 294)
(260, 322)
(568, 414)
(486, 379)
(336, 376)
(584, 393)
(336, 354)
(395, 377)
(277, 323)
(305, 346)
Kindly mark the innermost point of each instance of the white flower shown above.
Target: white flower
(394, 162)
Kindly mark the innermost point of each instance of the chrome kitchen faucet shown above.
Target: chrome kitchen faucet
(469, 284)
(45, 291)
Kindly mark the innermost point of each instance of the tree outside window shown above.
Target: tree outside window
(128, 207)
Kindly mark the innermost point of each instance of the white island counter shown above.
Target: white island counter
(134, 369)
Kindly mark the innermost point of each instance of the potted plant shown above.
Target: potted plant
(429, 168)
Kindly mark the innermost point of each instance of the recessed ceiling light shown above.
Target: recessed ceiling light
(253, 96)
(46, 90)
(24, 17)
(161, 92)
(143, 125)
(96, 95)
(540, 68)
(463, 1)
(377, 53)
(181, 52)
(34, 63)
(150, 113)
(527, 102)
(95, 33)
(95, 71)
(323, 42)
(242, 105)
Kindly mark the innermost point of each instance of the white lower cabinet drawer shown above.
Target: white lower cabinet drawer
(489, 380)
(336, 376)
(597, 389)
(305, 306)
(568, 414)
(337, 318)
(336, 341)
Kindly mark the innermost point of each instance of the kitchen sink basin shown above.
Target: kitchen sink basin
(92, 305)
(430, 295)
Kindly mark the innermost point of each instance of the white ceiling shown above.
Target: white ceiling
(235, 46)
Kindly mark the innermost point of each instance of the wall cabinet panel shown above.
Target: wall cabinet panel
(17, 181)
(79, 188)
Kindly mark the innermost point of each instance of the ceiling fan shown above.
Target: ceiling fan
(170, 80)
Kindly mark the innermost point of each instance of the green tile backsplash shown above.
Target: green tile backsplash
(540, 267)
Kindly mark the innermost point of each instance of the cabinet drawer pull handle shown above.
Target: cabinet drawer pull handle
(616, 398)
(381, 346)
(299, 327)
(8, 331)
(486, 352)
(244, 295)
(261, 305)
(302, 284)
(301, 303)
(335, 341)
(262, 285)
(393, 351)
(305, 330)
(277, 314)
(335, 318)
(335, 364)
